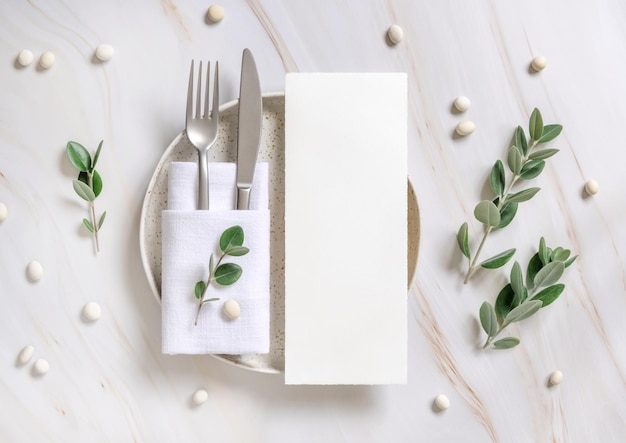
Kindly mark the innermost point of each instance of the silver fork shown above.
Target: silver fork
(201, 129)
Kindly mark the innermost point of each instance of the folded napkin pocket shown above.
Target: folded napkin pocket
(190, 237)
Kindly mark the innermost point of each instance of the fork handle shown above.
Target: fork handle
(203, 180)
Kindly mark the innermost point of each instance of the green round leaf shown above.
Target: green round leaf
(88, 225)
(560, 254)
(543, 251)
(532, 169)
(534, 266)
(507, 213)
(496, 178)
(549, 294)
(97, 156)
(101, 221)
(550, 132)
(504, 302)
(514, 160)
(520, 140)
(506, 343)
(199, 289)
(462, 239)
(543, 154)
(522, 196)
(549, 274)
(523, 311)
(79, 156)
(535, 125)
(499, 260)
(570, 261)
(517, 280)
(96, 179)
(83, 191)
(228, 273)
(486, 212)
(233, 236)
(488, 319)
(237, 251)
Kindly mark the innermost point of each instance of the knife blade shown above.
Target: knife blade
(249, 130)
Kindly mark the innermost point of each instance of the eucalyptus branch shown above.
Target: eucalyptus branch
(231, 244)
(525, 163)
(88, 185)
(517, 301)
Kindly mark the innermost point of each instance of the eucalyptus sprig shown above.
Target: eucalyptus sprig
(88, 185)
(224, 274)
(525, 163)
(517, 302)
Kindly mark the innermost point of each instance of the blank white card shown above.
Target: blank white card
(345, 228)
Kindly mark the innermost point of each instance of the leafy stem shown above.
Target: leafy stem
(518, 301)
(224, 274)
(88, 185)
(525, 163)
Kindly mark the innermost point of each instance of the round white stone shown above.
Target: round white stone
(25, 57)
(34, 270)
(465, 127)
(232, 309)
(41, 366)
(26, 354)
(215, 13)
(592, 187)
(200, 396)
(92, 311)
(104, 52)
(442, 402)
(4, 211)
(539, 63)
(462, 103)
(556, 377)
(47, 60)
(395, 34)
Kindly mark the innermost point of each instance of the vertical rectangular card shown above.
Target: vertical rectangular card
(345, 228)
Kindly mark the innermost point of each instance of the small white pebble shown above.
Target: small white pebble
(200, 396)
(92, 311)
(462, 103)
(34, 271)
(465, 127)
(41, 366)
(539, 63)
(25, 57)
(47, 60)
(442, 402)
(232, 309)
(26, 354)
(4, 211)
(215, 13)
(592, 187)
(556, 377)
(395, 34)
(104, 52)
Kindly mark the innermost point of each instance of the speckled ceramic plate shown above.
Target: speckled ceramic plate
(271, 151)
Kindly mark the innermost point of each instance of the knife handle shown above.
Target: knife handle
(243, 198)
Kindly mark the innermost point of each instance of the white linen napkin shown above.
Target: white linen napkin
(189, 238)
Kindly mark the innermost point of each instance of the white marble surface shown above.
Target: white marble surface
(108, 380)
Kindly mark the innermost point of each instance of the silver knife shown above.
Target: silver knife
(249, 131)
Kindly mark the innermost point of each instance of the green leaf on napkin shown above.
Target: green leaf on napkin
(228, 273)
(233, 236)
(224, 274)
